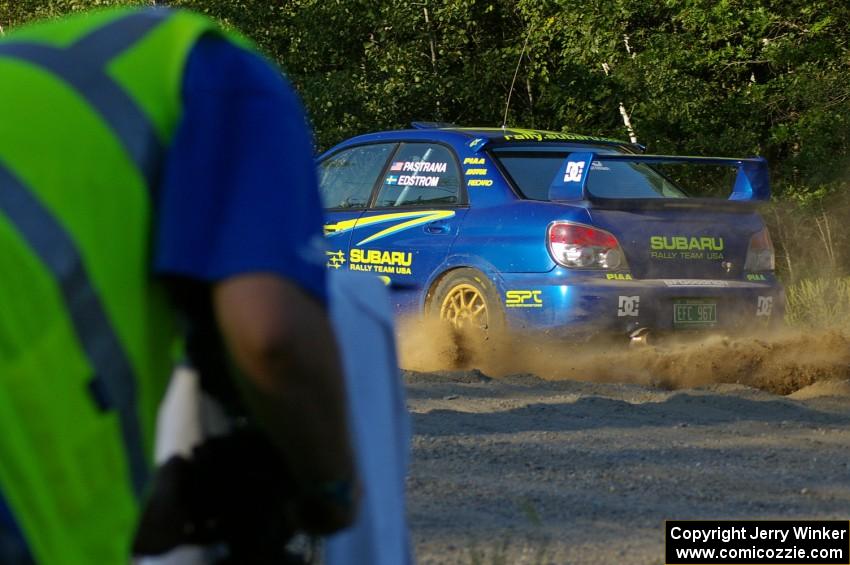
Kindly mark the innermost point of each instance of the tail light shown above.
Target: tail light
(583, 247)
(760, 255)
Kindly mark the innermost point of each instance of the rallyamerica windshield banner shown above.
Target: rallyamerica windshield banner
(744, 542)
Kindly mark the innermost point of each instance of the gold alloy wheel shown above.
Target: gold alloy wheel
(464, 306)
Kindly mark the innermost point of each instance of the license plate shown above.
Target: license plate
(694, 313)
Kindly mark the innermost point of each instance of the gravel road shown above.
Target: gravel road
(518, 469)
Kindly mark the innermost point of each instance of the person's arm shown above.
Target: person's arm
(239, 211)
(289, 371)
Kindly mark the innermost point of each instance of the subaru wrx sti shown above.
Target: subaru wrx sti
(564, 233)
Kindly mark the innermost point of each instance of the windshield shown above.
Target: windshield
(532, 170)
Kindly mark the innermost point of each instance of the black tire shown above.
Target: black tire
(467, 299)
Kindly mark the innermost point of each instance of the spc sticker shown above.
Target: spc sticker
(524, 299)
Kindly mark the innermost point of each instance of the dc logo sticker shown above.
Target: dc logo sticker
(765, 306)
(628, 306)
(574, 171)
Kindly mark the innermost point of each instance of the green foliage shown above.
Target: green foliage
(14, 13)
(733, 77)
(697, 76)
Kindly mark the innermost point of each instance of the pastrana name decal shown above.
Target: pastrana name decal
(418, 167)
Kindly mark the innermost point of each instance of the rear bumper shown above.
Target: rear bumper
(590, 305)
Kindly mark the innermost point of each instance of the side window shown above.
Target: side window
(346, 179)
(420, 174)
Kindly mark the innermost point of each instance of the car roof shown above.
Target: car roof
(481, 135)
(498, 135)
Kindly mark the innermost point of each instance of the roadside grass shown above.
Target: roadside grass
(819, 303)
(507, 551)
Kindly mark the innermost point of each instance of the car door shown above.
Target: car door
(414, 218)
(346, 182)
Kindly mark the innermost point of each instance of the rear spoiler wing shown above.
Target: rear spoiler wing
(752, 182)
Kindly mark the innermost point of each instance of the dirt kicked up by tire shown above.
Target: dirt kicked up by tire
(541, 453)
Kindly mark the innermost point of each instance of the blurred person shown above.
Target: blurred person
(157, 198)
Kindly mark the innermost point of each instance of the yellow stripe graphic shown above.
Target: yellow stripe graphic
(431, 217)
(418, 218)
(347, 225)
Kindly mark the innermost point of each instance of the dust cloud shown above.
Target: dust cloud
(781, 362)
(813, 253)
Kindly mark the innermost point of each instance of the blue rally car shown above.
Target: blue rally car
(534, 230)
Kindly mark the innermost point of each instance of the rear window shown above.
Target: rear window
(532, 170)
